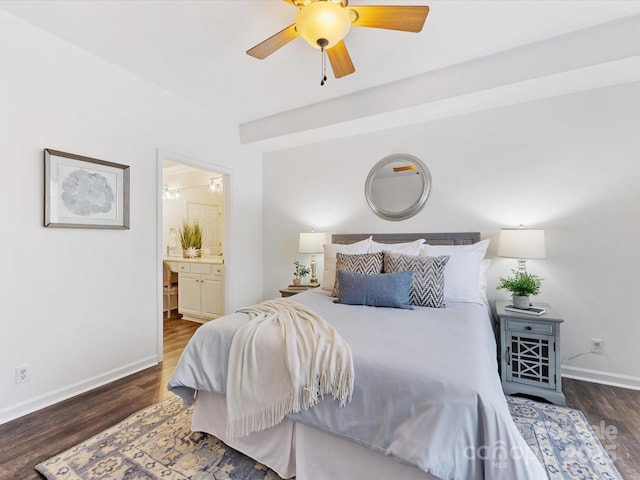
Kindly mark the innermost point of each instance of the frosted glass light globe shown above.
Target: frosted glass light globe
(323, 20)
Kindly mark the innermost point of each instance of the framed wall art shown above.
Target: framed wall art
(83, 192)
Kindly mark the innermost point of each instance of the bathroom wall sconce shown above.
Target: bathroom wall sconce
(215, 185)
(168, 194)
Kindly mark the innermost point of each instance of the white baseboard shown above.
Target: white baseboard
(605, 378)
(23, 408)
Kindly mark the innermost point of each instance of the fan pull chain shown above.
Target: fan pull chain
(323, 42)
(324, 67)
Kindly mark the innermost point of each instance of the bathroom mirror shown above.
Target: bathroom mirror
(398, 186)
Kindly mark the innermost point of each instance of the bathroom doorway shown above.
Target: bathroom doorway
(191, 191)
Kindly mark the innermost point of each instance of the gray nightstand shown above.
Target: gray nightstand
(530, 353)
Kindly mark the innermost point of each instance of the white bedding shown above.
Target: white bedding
(427, 391)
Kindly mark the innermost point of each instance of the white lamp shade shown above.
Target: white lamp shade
(312, 242)
(521, 243)
(323, 20)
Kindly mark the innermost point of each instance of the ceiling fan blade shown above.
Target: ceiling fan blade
(340, 60)
(273, 43)
(404, 18)
(291, 2)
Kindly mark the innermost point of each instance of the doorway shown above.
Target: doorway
(190, 191)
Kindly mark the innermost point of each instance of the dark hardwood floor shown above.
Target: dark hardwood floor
(614, 413)
(28, 440)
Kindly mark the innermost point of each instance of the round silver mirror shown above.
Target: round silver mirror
(398, 186)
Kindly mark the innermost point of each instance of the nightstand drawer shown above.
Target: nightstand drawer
(530, 327)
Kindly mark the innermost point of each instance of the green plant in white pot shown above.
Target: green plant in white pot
(300, 272)
(522, 285)
(190, 236)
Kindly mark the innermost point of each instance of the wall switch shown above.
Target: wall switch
(22, 374)
(596, 345)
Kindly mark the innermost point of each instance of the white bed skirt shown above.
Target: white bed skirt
(293, 449)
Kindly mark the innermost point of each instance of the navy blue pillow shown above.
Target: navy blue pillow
(375, 290)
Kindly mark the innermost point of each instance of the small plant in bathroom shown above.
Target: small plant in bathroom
(300, 272)
(190, 236)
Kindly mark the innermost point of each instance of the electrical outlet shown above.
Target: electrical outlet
(596, 345)
(22, 374)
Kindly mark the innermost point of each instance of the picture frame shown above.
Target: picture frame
(83, 192)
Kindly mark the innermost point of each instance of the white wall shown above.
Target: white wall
(567, 164)
(80, 306)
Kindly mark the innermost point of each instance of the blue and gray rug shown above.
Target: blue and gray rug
(157, 443)
(564, 442)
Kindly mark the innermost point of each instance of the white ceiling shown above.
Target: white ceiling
(197, 48)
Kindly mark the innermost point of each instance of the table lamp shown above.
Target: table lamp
(521, 244)
(312, 242)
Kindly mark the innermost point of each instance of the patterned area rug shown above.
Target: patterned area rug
(157, 443)
(563, 441)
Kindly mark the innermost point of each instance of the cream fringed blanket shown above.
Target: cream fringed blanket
(282, 361)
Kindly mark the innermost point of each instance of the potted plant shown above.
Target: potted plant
(521, 285)
(300, 272)
(190, 236)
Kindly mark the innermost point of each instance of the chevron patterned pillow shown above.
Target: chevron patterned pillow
(427, 287)
(365, 263)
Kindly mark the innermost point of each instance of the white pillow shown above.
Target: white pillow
(330, 252)
(462, 272)
(482, 281)
(409, 248)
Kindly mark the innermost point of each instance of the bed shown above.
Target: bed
(427, 400)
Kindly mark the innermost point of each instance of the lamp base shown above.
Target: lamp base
(314, 280)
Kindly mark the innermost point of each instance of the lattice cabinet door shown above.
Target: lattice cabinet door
(530, 353)
(529, 359)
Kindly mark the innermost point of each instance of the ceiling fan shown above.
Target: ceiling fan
(325, 23)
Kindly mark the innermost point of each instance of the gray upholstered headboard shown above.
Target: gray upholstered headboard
(454, 238)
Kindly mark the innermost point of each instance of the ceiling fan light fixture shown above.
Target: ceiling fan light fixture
(323, 24)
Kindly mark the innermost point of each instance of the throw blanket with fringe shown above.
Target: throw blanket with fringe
(282, 361)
